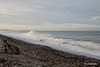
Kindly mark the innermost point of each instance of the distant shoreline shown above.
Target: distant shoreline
(38, 55)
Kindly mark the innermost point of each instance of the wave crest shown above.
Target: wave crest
(67, 45)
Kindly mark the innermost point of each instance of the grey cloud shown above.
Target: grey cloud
(38, 12)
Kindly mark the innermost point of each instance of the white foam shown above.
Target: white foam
(89, 49)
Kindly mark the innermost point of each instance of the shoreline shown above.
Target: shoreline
(30, 55)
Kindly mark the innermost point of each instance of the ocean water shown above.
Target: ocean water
(85, 43)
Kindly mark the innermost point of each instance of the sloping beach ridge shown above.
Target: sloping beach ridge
(18, 53)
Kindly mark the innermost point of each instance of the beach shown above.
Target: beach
(17, 53)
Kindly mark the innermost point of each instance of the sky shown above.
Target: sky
(50, 15)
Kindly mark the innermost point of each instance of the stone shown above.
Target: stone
(11, 49)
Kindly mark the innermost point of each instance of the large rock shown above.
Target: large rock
(11, 49)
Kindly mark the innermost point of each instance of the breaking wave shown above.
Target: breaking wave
(86, 48)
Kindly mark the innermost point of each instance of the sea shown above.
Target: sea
(85, 43)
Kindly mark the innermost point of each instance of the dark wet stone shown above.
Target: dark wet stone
(11, 49)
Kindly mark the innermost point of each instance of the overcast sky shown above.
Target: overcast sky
(56, 15)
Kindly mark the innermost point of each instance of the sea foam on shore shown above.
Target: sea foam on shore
(89, 49)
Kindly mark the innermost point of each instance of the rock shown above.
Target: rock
(2, 60)
(11, 49)
(80, 59)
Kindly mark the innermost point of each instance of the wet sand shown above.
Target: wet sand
(16, 53)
